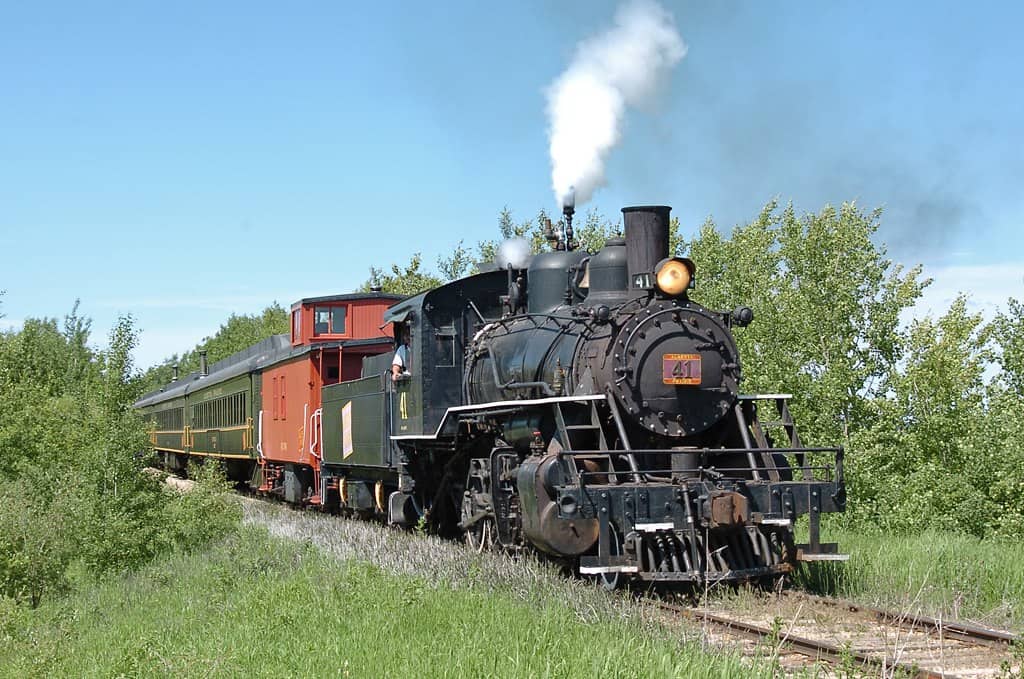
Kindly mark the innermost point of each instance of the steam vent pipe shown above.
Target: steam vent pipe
(646, 241)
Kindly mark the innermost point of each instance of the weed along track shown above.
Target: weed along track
(792, 631)
(796, 631)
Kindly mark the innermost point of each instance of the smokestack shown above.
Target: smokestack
(646, 242)
(204, 369)
(174, 373)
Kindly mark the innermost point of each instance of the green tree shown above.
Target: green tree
(71, 490)
(827, 304)
(409, 279)
(917, 465)
(457, 265)
(1000, 434)
(487, 250)
(1008, 331)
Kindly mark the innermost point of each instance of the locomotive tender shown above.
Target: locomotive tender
(582, 406)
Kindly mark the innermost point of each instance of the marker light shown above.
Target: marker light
(673, 276)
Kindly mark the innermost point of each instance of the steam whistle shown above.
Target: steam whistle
(564, 239)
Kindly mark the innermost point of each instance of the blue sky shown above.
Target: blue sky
(182, 161)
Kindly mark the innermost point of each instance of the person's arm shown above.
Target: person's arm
(398, 364)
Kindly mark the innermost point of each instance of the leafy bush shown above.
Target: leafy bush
(71, 491)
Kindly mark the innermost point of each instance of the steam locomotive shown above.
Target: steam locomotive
(578, 405)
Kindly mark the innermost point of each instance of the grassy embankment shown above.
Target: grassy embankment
(259, 605)
(344, 598)
(936, 573)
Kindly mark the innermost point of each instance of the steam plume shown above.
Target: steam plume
(514, 251)
(610, 71)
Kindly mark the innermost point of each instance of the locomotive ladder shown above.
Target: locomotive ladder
(570, 434)
(814, 550)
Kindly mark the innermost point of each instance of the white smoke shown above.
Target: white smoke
(610, 71)
(514, 251)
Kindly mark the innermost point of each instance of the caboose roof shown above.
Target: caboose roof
(350, 297)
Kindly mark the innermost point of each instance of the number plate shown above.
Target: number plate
(680, 368)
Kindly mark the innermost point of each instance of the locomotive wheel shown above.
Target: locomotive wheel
(611, 581)
(480, 536)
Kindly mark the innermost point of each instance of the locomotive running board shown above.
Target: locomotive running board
(654, 527)
(595, 565)
(495, 405)
(598, 570)
(827, 551)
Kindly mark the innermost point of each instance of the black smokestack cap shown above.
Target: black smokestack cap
(646, 242)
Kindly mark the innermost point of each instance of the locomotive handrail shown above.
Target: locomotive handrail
(617, 416)
(315, 435)
(836, 466)
(497, 405)
(709, 451)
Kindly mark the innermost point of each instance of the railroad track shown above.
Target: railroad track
(803, 630)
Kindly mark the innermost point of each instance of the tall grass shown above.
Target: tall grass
(937, 573)
(442, 562)
(259, 606)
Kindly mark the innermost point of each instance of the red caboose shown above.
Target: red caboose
(330, 336)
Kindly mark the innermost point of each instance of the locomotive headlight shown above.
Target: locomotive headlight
(674, 275)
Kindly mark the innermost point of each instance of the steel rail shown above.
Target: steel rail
(948, 628)
(819, 650)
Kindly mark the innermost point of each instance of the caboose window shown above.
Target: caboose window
(296, 325)
(321, 320)
(329, 320)
(338, 320)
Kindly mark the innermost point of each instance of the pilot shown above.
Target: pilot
(400, 364)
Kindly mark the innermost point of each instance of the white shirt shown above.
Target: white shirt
(401, 358)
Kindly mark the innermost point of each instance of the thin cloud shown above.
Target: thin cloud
(988, 287)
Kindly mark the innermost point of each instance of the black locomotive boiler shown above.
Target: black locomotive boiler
(586, 407)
